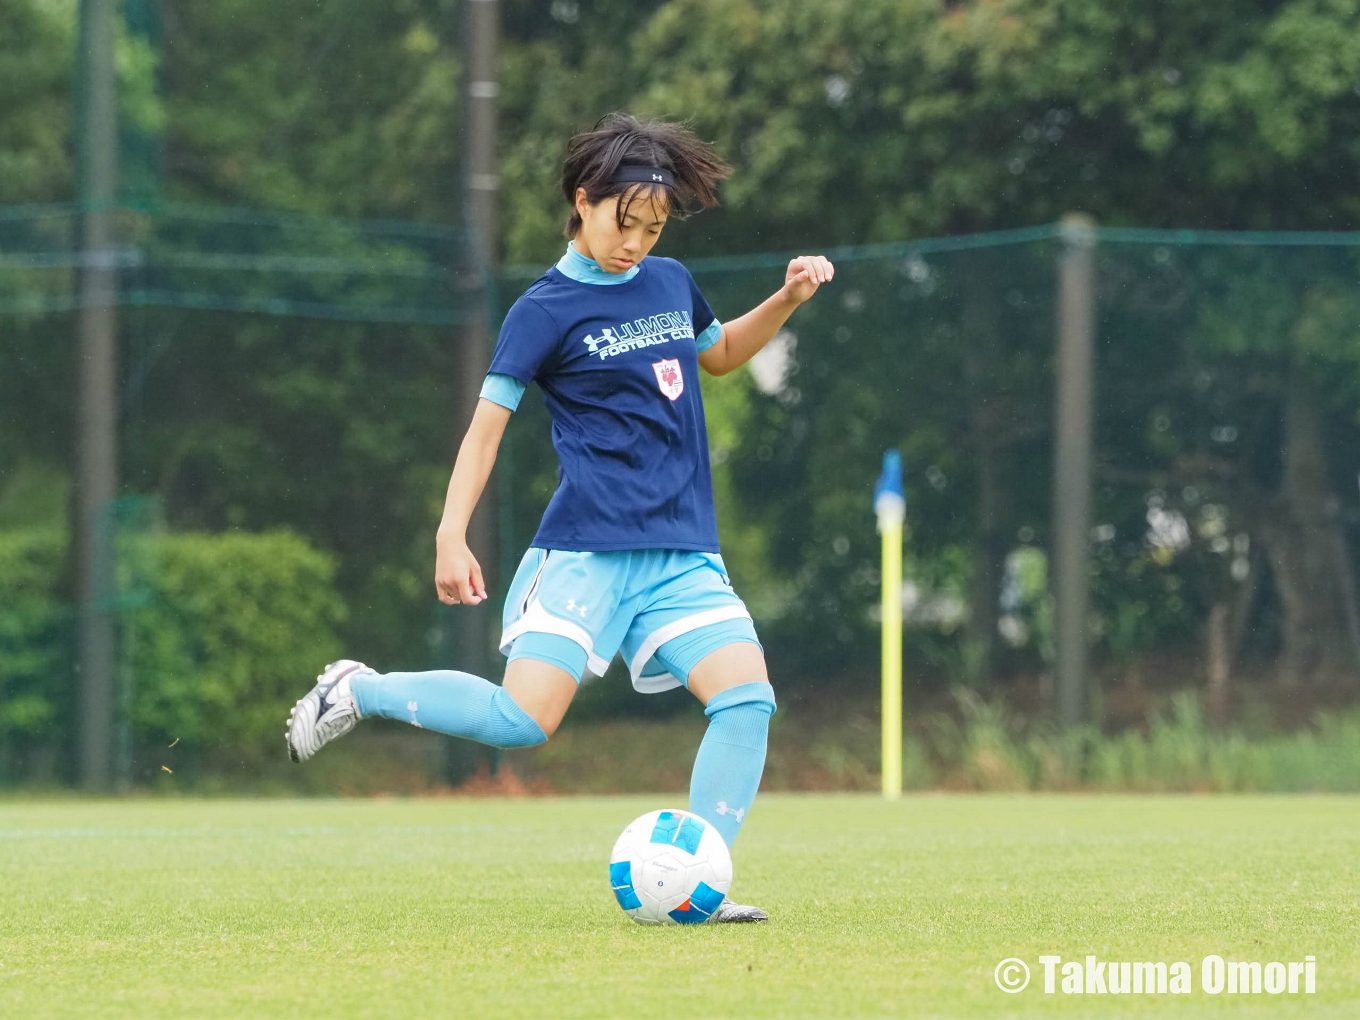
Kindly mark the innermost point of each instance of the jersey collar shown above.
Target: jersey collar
(575, 266)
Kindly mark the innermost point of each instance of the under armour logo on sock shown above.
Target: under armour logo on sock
(412, 706)
(723, 809)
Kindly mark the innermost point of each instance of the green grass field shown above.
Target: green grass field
(501, 908)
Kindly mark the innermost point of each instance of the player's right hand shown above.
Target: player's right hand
(457, 575)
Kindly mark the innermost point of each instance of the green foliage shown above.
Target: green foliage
(882, 119)
(340, 432)
(36, 50)
(848, 122)
(985, 747)
(36, 632)
(32, 494)
(348, 109)
(728, 407)
(975, 744)
(1180, 752)
(225, 637)
(237, 627)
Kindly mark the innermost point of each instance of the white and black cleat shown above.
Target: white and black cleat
(327, 711)
(735, 913)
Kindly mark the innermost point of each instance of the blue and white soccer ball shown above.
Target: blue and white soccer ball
(670, 867)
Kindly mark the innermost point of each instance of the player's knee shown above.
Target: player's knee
(541, 687)
(733, 664)
(548, 726)
(753, 696)
(511, 725)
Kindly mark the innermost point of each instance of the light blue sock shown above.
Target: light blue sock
(732, 756)
(459, 704)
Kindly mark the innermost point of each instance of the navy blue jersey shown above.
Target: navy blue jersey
(619, 369)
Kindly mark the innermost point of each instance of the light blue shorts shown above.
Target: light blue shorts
(664, 609)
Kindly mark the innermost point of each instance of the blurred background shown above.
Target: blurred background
(1096, 280)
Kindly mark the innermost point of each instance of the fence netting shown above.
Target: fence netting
(288, 421)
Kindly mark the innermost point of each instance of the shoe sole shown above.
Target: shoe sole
(299, 731)
(304, 731)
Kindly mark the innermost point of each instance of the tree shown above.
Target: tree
(848, 122)
(36, 60)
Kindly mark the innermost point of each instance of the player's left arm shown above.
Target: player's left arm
(742, 338)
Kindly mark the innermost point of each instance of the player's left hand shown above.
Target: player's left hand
(806, 273)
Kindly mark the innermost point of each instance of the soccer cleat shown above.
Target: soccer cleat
(735, 913)
(327, 711)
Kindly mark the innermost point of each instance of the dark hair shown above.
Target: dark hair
(620, 139)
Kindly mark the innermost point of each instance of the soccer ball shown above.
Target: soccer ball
(670, 867)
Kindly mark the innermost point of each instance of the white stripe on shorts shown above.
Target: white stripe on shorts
(538, 620)
(533, 585)
(674, 629)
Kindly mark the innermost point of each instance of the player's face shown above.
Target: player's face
(600, 238)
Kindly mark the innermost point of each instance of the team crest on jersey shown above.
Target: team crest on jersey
(668, 377)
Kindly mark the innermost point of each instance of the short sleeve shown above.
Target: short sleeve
(503, 390)
(707, 328)
(529, 340)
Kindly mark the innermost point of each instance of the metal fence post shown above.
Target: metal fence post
(1072, 464)
(97, 453)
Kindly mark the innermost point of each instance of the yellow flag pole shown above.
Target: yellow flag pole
(890, 506)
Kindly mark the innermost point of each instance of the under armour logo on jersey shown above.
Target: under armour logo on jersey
(606, 337)
(574, 607)
(723, 809)
(645, 331)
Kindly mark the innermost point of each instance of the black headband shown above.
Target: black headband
(642, 175)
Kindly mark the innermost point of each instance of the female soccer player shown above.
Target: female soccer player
(626, 557)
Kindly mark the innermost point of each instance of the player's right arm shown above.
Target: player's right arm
(528, 341)
(457, 575)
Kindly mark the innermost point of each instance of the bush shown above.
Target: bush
(36, 643)
(236, 627)
(219, 635)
